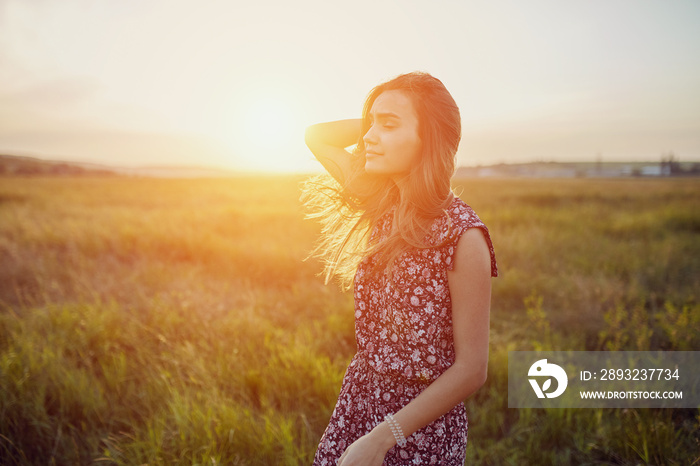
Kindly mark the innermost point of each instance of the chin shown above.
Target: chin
(374, 168)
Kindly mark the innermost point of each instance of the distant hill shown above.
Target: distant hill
(14, 165)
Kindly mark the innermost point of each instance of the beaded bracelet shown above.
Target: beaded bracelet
(396, 430)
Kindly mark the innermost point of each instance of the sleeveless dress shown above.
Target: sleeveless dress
(403, 328)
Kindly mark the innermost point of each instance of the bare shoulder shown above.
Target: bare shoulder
(474, 245)
(472, 252)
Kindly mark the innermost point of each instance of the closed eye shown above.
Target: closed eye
(384, 123)
(386, 120)
(389, 122)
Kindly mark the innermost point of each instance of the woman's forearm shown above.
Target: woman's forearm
(452, 387)
(339, 134)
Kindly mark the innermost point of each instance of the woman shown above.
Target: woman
(422, 262)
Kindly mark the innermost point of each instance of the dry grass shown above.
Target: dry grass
(175, 321)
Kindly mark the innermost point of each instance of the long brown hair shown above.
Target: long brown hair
(349, 213)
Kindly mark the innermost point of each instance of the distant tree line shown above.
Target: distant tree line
(671, 166)
(11, 165)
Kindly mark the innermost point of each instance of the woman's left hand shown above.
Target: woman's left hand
(365, 451)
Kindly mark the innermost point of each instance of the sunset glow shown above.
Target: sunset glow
(233, 85)
(270, 128)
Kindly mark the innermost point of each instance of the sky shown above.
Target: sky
(233, 84)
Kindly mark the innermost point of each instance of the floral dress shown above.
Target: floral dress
(403, 328)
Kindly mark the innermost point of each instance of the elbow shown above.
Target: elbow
(313, 143)
(478, 376)
(474, 377)
(481, 377)
(308, 136)
(311, 136)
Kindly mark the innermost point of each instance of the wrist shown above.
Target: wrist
(396, 430)
(383, 435)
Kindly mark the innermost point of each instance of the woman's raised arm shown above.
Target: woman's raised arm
(328, 142)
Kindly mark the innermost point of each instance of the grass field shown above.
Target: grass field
(160, 321)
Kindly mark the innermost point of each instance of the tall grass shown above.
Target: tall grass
(176, 321)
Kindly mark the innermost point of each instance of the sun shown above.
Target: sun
(263, 130)
(269, 124)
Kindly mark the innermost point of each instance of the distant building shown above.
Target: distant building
(655, 170)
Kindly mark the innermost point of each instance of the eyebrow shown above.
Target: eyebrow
(385, 115)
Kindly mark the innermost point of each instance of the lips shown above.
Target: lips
(371, 153)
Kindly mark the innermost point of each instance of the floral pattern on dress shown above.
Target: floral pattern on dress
(403, 329)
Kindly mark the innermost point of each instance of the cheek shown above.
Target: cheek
(412, 149)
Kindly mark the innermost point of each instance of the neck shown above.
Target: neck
(401, 182)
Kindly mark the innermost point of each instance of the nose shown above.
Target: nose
(370, 136)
